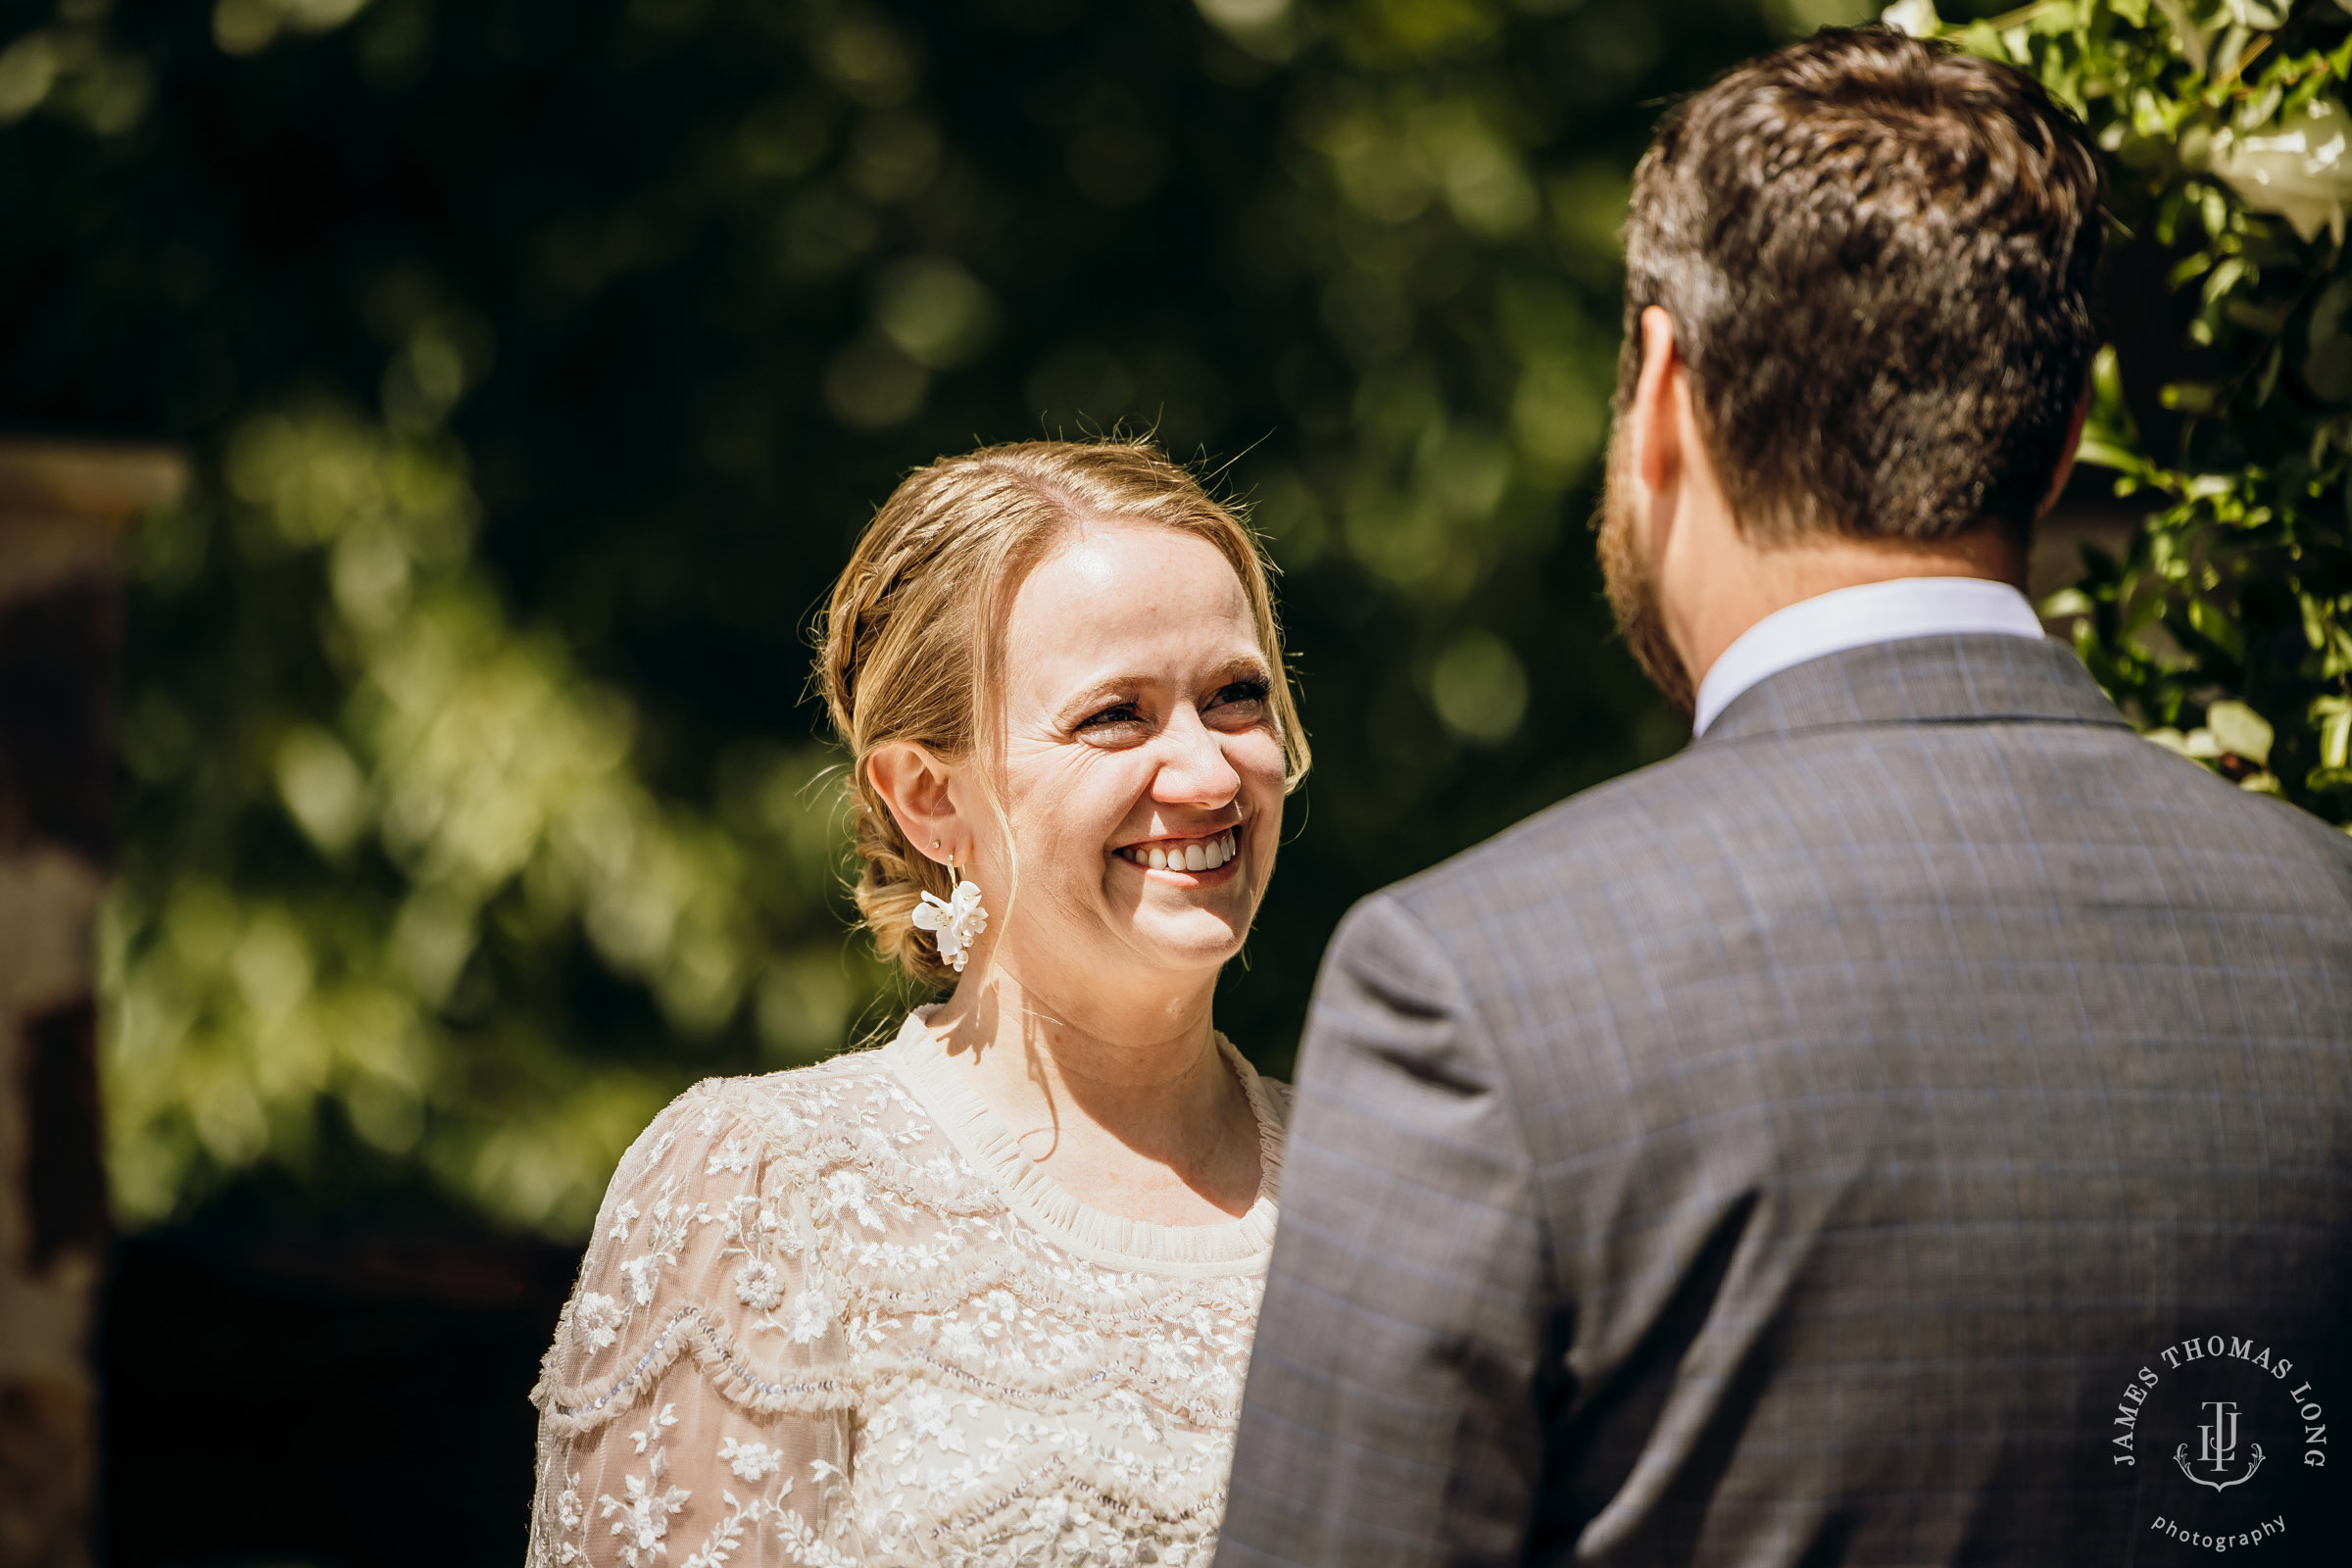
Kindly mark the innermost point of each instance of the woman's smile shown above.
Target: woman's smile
(1189, 862)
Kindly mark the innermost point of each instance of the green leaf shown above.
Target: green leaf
(2189, 397)
(2213, 623)
(2266, 379)
(2315, 622)
(2333, 715)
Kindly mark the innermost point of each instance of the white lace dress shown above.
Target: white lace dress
(836, 1315)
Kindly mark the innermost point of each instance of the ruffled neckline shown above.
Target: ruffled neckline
(983, 1139)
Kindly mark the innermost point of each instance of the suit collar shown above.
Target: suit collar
(1856, 617)
(1967, 678)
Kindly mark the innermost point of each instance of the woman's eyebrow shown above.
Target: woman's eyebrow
(1242, 665)
(1112, 689)
(1102, 693)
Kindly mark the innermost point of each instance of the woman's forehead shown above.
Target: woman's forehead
(1110, 589)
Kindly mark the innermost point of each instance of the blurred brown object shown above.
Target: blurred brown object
(62, 507)
(2089, 513)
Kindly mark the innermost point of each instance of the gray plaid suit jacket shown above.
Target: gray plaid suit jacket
(1788, 1153)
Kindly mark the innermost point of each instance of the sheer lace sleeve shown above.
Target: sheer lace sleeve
(694, 1406)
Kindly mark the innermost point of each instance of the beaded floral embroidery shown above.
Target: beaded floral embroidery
(835, 1316)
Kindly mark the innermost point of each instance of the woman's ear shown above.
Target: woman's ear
(915, 784)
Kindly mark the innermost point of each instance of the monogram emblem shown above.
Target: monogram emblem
(2217, 1450)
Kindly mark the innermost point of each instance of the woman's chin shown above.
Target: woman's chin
(1187, 939)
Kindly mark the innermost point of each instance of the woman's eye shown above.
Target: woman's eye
(1111, 717)
(1242, 691)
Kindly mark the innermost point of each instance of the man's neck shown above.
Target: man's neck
(1771, 579)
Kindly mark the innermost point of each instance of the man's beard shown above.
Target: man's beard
(1633, 590)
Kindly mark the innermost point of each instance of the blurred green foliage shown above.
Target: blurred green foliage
(2225, 628)
(541, 360)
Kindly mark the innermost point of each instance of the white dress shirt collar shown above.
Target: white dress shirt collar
(1855, 617)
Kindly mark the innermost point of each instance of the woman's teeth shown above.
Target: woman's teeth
(1202, 855)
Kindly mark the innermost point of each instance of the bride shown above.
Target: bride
(983, 1295)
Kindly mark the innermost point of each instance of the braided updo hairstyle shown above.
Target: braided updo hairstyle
(909, 638)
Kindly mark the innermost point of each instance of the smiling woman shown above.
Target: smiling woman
(985, 1295)
(1035, 556)
(1136, 736)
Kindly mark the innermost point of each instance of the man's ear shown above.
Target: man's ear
(2066, 457)
(915, 784)
(1656, 409)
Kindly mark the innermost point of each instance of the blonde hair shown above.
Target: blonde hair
(909, 640)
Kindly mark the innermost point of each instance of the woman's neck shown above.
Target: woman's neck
(1121, 1095)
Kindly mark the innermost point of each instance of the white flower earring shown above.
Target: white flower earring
(957, 919)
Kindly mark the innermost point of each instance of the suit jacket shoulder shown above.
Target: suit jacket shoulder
(1921, 997)
(1722, 840)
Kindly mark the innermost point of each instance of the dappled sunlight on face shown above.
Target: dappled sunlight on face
(1136, 726)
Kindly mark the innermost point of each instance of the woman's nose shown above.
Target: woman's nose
(1193, 769)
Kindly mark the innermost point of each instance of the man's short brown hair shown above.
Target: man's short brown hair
(1878, 255)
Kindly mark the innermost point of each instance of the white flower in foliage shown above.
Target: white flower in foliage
(2302, 171)
(1914, 17)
